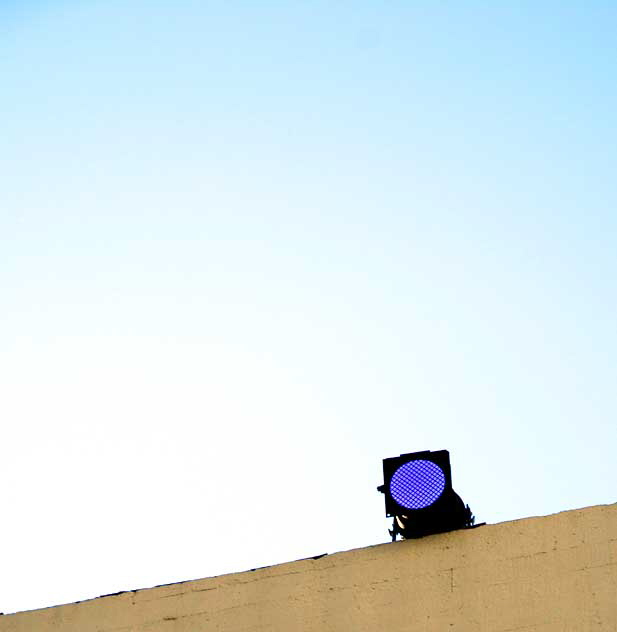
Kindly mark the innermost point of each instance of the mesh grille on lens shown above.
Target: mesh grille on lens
(417, 484)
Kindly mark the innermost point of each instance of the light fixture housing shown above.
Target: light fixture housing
(419, 495)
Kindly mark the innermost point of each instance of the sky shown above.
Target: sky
(249, 250)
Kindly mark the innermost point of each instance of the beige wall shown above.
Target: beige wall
(556, 573)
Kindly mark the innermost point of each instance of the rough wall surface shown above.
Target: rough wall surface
(556, 573)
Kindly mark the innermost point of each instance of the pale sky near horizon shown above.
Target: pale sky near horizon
(248, 250)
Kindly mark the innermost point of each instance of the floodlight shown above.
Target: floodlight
(419, 495)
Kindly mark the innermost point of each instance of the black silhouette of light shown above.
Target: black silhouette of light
(419, 495)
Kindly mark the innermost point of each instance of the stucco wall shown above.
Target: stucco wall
(555, 573)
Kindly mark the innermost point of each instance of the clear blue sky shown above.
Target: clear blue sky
(247, 250)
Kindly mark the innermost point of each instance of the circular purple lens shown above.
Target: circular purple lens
(417, 484)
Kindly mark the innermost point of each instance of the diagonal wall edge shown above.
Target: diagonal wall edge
(554, 573)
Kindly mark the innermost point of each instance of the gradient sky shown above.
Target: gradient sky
(247, 250)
